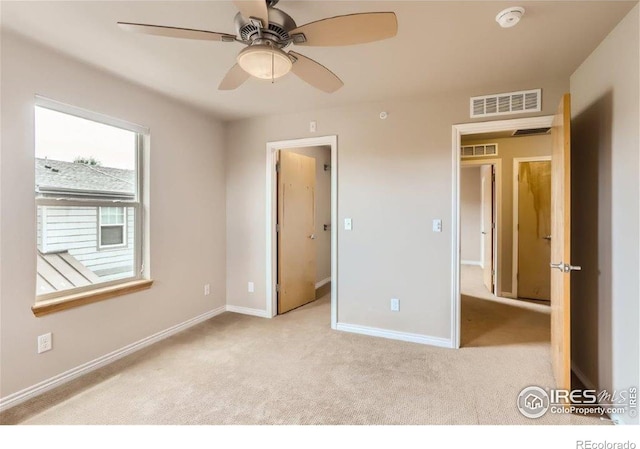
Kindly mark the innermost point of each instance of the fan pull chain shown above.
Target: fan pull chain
(272, 68)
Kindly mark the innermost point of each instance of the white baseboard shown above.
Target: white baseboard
(248, 311)
(471, 262)
(616, 418)
(583, 377)
(621, 420)
(395, 335)
(323, 282)
(55, 381)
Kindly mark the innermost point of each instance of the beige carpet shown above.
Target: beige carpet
(294, 369)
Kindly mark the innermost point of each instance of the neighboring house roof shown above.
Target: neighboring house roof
(61, 271)
(77, 179)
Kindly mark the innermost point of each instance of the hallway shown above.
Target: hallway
(489, 320)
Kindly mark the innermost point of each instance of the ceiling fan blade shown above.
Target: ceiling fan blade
(315, 73)
(234, 78)
(347, 30)
(254, 8)
(184, 33)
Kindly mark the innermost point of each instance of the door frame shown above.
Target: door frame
(496, 237)
(456, 136)
(272, 218)
(515, 233)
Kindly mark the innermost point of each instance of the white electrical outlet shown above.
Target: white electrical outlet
(44, 343)
(313, 126)
(348, 224)
(437, 225)
(395, 305)
(207, 289)
(250, 287)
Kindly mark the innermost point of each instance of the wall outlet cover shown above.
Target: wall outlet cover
(44, 343)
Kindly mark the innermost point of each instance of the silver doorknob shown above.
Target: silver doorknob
(566, 268)
(559, 266)
(312, 236)
(484, 233)
(548, 237)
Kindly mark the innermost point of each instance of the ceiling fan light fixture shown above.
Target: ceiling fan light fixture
(264, 61)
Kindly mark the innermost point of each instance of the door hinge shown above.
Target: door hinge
(493, 225)
(277, 228)
(278, 288)
(278, 167)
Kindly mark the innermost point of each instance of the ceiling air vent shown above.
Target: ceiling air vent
(488, 149)
(508, 103)
(531, 132)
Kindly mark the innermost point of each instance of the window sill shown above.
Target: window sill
(80, 299)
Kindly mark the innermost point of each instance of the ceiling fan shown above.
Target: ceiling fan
(267, 31)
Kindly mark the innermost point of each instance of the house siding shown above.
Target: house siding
(75, 229)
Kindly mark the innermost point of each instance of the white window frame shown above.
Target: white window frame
(125, 226)
(135, 204)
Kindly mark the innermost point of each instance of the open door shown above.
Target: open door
(296, 231)
(534, 230)
(487, 191)
(561, 245)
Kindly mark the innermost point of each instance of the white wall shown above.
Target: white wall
(394, 178)
(470, 215)
(322, 155)
(187, 220)
(605, 211)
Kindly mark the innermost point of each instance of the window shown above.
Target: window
(87, 191)
(113, 230)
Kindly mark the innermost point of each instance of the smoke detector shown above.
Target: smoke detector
(510, 16)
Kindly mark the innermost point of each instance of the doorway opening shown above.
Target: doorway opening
(480, 218)
(531, 277)
(475, 141)
(302, 224)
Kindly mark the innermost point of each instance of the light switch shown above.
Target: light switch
(313, 126)
(437, 225)
(347, 224)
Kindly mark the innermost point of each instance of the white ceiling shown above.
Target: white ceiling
(441, 46)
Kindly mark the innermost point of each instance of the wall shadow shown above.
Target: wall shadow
(591, 242)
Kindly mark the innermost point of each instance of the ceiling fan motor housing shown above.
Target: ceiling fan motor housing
(277, 31)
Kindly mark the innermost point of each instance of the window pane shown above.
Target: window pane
(79, 158)
(112, 215)
(111, 235)
(68, 249)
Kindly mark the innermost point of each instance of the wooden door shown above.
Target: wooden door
(486, 190)
(296, 234)
(534, 230)
(561, 245)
